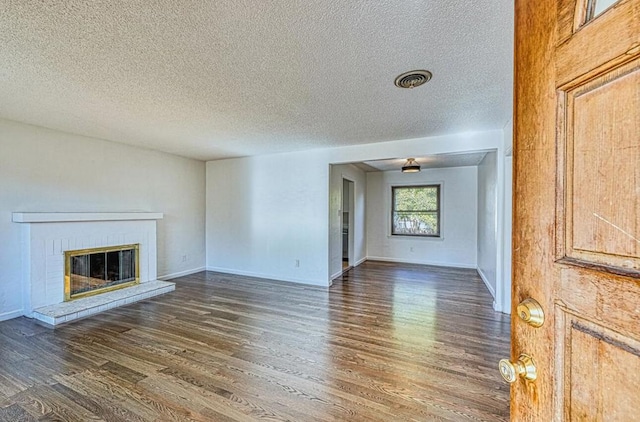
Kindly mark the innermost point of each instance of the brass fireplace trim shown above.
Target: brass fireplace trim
(67, 270)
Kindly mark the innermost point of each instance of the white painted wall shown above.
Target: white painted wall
(358, 227)
(488, 220)
(456, 247)
(43, 170)
(266, 212)
(267, 216)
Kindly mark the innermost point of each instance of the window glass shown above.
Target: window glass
(599, 6)
(415, 210)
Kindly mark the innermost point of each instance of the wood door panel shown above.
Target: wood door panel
(611, 38)
(598, 381)
(613, 301)
(599, 125)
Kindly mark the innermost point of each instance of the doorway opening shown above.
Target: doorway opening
(348, 200)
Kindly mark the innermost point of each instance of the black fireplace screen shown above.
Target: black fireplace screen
(92, 271)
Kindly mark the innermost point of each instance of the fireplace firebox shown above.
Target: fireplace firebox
(98, 270)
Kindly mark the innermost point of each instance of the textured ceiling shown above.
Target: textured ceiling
(426, 162)
(216, 79)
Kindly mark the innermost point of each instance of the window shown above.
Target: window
(415, 210)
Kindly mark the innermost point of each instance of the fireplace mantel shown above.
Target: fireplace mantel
(60, 217)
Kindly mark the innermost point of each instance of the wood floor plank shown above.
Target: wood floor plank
(387, 342)
(45, 399)
(15, 413)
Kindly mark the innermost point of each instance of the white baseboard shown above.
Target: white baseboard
(486, 283)
(360, 261)
(10, 315)
(496, 307)
(267, 276)
(181, 273)
(339, 273)
(419, 262)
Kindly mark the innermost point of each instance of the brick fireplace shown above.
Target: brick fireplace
(47, 236)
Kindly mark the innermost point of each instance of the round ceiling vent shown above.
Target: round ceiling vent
(413, 78)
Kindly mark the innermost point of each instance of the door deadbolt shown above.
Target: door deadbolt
(530, 311)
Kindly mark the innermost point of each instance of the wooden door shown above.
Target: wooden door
(576, 247)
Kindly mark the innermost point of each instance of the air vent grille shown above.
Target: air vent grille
(413, 79)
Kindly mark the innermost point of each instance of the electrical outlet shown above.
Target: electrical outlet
(297, 263)
(184, 258)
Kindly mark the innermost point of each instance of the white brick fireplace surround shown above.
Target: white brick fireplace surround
(46, 236)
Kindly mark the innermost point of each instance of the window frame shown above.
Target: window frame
(438, 210)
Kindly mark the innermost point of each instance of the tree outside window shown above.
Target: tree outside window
(415, 210)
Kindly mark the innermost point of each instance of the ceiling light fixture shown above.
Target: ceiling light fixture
(413, 78)
(411, 166)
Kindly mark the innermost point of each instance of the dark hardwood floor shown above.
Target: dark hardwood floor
(387, 342)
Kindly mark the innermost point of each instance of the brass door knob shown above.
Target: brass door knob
(525, 367)
(530, 311)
